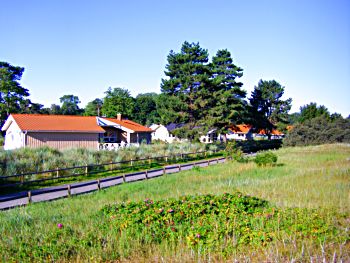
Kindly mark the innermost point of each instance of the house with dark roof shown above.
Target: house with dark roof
(63, 131)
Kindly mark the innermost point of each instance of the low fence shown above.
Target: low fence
(59, 174)
(52, 193)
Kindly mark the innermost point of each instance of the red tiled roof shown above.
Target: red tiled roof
(241, 128)
(64, 123)
(273, 132)
(130, 125)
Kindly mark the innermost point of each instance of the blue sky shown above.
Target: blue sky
(83, 47)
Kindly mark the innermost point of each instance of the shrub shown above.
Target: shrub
(235, 152)
(265, 158)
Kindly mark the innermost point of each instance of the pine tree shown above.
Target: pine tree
(227, 103)
(267, 107)
(188, 80)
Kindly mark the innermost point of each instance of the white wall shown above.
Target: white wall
(236, 136)
(161, 133)
(14, 137)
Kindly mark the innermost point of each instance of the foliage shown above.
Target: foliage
(188, 79)
(234, 152)
(146, 109)
(319, 130)
(118, 100)
(70, 105)
(226, 104)
(250, 146)
(267, 107)
(265, 158)
(171, 109)
(93, 108)
(311, 111)
(205, 221)
(11, 91)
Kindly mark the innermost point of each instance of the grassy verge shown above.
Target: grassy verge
(309, 188)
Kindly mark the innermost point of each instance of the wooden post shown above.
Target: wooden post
(163, 170)
(179, 167)
(131, 162)
(29, 197)
(166, 159)
(57, 172)
(124, 178)
(146, 173)
(217, 160)
(69, 190)
(98, 185)
(111, 166)
(86, 170)
(208, 162)
(22, 179)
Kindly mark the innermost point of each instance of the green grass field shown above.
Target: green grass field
(307, 216)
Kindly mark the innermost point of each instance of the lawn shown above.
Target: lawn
(306, 216)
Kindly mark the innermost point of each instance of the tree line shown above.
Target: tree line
(197, 92)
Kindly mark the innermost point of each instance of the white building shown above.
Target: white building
(160, 132)
(210, 137)
(240, 132)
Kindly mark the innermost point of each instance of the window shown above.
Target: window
(108, 137)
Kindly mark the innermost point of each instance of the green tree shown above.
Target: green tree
(55, 109)
(171, 109)
(93, 108)
(116, 101)
(310, 111)
(70, 105)
(319, 130)
(226, 100)
(146, 108)
(11, 91)
(188, 77)
(266, 106)
(26, 106)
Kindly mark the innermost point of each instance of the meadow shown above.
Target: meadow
(297, 210)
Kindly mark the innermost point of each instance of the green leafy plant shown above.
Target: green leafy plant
(233, 151)
(265, 158)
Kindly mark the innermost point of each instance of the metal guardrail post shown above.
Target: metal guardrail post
(98, 184)
(124, 178)
(163, 170)
(146, 174)
(179, 167)
(69, 191)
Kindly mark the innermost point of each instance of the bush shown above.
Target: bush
(265, 158)
(319, 130)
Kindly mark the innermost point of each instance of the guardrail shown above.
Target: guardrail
(90, 169)
(52, 193)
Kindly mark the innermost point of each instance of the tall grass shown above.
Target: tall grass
(26, 160)
(304, 178)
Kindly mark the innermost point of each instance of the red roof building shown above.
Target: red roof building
(62, 131)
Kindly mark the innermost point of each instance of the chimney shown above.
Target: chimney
(119, 117)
